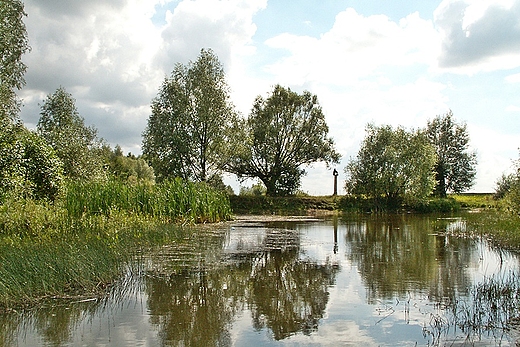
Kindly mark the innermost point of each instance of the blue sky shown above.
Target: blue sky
(382, 62)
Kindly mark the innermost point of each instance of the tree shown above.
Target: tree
(391, 166)
(64, 129)
(508, 189)
(128, 168)
(187, 134)
(13, 44)
(456, 166)
(283, 133)
(28, 166)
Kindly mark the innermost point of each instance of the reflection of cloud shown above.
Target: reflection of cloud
(338, 333)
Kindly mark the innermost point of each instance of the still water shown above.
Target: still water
(398, 280)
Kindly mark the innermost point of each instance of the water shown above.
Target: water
(350, 281)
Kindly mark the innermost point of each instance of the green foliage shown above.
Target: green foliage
(282, 205)
(255, 190)
(504, 185)
(64, 129)
(500, 227)
(187, 134)
(475, 200)
(456, 166)
(13, 44)
(129, 169)
(391, 166)
(433, 205)
(28, 166)
(283, 132)
(84, 240)
(508, 190)
(46, 253)
(175, 200)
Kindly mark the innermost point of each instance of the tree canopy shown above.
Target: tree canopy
(13, 44)
(187, 134)
(76, 144)
(392, 165)
(508, 189)
(283, 133)
(456, 165)
(28, 166)
(128, 168)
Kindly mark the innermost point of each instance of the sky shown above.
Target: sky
(398, 63)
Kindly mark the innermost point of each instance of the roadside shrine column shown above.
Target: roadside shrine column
(335, 174)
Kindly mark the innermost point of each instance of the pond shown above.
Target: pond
(397, 280)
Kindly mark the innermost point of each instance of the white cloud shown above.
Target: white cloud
(354, 49)
(479, 35)
(515, 78)
(112, 56)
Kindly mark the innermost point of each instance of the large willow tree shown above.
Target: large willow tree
(392, 165)
(283, 133)
(187, 134)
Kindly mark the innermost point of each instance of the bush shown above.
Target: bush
(28, 166)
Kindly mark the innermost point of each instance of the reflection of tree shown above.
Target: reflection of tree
(195, 291)
(289, 295)
(397, 254)
(196, 308)
(53, 323)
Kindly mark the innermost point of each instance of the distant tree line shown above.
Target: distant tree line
(195, 133)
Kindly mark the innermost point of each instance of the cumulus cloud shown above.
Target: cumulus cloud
(354, 48)
(479, 35)
(113, 55)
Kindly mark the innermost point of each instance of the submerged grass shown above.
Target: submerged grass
(84, 241)
(500, 227)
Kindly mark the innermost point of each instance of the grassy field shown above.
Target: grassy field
(475, 200)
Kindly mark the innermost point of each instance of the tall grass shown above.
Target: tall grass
(85, 240)
(177, 200)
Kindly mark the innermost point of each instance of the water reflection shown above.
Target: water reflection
(376, 280)
(400, 254)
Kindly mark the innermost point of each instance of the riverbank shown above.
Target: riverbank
(312, 204)
(82, 242)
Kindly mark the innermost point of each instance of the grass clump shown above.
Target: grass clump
(501, 227)
(176, 200)
(83, 241)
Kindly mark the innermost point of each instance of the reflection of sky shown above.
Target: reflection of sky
(347, 320)
(125, 323)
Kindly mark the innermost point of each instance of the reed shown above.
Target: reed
(177, 200)
(85, 240)
(500, 227)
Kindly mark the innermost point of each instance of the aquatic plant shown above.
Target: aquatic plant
(176, 199)
(82, 242)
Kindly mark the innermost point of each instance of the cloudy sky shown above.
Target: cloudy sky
(393, 62)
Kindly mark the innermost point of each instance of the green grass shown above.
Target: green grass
(176, 200)
(251, 204)
(502, 228)
(85, 240)
(475, 200)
